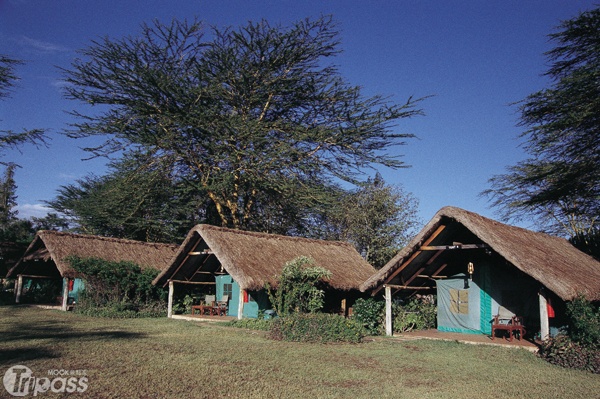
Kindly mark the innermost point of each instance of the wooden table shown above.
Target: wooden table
(203, 308)
(513, 325)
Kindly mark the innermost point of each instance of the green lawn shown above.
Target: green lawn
(160, 358)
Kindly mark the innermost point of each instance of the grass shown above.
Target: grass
(161, 358)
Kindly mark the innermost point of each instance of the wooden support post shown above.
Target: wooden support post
(19, 289)
(170, 300)
(241, 305)
(544, 323)
(65, 298)
(343, 307)
(388, 311)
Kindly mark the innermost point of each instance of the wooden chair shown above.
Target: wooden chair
(508, 321)
(221, 306)
(206, 307)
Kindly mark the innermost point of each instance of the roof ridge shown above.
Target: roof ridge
(271, 235)
(103, 238)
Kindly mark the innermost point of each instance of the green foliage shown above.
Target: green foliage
(369, 313)
(118, 309)
(417, 314)
(8, 138)
(316, 327)
(560, 184)
(298, 288)
(376, 218)
(117, 289)
(12, 229)
(565, 352)
(584, 322)
(253, 116)
(41, 291)
(134, 201)
(184, 305)
(252, 324)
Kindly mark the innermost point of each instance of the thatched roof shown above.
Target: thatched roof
(550, 260)
(57, 246)
(253, 259)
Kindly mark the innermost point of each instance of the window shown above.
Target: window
(228, 290)
(459, 301)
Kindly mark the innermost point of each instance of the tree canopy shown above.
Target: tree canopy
(559, 185)
(257, 118)
(378, 219)
(9, 138)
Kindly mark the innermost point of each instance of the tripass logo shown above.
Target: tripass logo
(19, 381)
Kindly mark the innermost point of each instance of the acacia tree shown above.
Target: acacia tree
(250, 115)
(9, 138)
(376, 218)
(136, 201)
(560, 184)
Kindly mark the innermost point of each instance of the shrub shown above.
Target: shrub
(565, 352)
(298, 288)
(252, 324)
(41, 291)
(316, 327)
(118, 309)
(369, 313)
(417, 314)
(584, 322)
(117, 289)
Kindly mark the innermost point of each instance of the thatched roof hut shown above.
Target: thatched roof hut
(47, 254)
(253, 259)
(552, 261)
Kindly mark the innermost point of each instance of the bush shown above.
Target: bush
(117, 289)
(119, 309)
(565, 352)
(299, 288)
(370, 314)
(252, 324)
(418, 314)
(584, 322)
(316, 327)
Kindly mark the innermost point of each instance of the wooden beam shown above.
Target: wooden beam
(431, 277)
(185, 259)
(407, 287)
(434, 257)
(442, 267)
(240, 314)
(451, 247)
(170, 301)
(19, 289)
(32, 276)
(388, 311)
(205, 252)
(194, 282)
(407, 262)
(407, 282)
(544, 321)
(65, 299)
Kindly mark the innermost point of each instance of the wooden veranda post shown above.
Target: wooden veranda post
(170, 301)
(544, 323)
(19, 289)
(240, 305)
(388, 310)
(65, 296)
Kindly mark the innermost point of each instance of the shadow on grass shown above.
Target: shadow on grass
(42, 337)
(25, 354)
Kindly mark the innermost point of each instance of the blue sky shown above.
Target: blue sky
(474, 57)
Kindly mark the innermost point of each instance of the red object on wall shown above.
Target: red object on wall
(71, 284)
(245, 296)
(550, 308)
